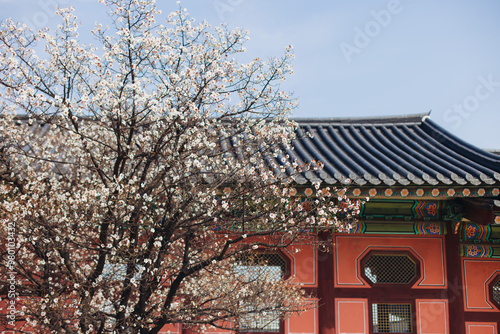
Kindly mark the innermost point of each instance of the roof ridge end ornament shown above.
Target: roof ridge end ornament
(426, 117)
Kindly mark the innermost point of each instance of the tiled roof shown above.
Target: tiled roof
(404, 150)
(408, 150)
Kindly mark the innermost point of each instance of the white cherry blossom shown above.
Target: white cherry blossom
(113, 161)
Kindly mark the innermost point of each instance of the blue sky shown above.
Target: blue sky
(359, 58)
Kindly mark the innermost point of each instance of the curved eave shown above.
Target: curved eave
(396, 152)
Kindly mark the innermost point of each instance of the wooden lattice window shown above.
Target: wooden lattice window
(391, 318)
(390, 268)
(266, 323)
(494, 288)
(262, 266)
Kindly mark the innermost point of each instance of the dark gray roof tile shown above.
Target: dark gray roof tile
(404, 150)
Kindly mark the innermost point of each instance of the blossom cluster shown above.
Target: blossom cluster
(113, 161)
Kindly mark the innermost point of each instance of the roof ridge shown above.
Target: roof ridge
(397, 119)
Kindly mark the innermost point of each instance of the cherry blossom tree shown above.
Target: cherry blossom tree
(136, 175)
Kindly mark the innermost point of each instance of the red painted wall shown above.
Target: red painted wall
(481, 327)
(349, 250)
(477, 274)
(432, 316)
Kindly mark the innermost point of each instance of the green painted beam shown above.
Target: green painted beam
(395, 209)
(389, 228)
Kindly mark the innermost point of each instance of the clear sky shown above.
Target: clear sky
(359, 58)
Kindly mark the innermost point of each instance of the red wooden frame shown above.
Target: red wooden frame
(391, 293)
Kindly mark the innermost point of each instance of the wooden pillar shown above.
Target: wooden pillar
(326, 311)
(455, 290)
